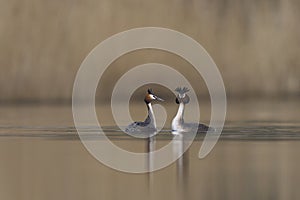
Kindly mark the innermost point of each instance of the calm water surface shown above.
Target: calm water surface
(257, 157)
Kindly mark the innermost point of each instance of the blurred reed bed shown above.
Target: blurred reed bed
(42, 43)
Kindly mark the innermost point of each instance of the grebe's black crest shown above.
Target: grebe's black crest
(182, 91)
(150, 91)
(182, 97)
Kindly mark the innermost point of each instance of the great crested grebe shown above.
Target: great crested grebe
(178, 123)
(149, 125)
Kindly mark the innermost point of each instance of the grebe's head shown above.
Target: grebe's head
(150, 97)
(182, 97)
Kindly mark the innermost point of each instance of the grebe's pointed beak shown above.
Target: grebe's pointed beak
(157, 98)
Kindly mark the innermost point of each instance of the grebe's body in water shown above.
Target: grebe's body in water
(149, 125)
(178, 124)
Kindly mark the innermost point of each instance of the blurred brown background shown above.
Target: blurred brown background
(255, 44)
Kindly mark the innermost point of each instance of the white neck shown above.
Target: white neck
(178, 119)
(151, 115)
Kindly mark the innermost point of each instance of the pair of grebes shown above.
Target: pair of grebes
(178, 124)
